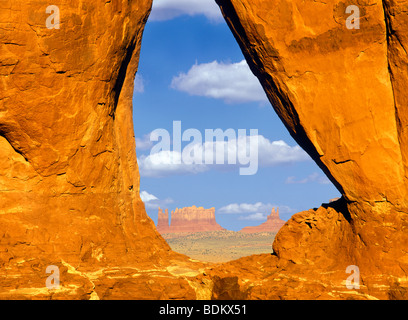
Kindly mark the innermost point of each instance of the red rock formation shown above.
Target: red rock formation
(272, 224)
(296, 272)
(341, 93)
(69, 181)
(163, 221)
(189, 220)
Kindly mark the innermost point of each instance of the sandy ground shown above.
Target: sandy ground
(220, 246)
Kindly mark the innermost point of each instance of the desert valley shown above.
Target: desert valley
(196, 234)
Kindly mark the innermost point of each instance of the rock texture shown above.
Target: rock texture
(272, 224)
(341, 93)
(188, 220)
(303, 265)
(69, 182)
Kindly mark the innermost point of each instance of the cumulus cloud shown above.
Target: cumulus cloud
(152, 202)
(258, 207)
(235, 208)
(144, 143)
(230, 82)
(254, 211)
(272, 153)
(139, 84)
(235, 153)
(165, 163)
(146, 197)
(254, 217)
(170, 9)
(314, 177)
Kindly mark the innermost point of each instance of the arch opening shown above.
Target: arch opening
(193, 78)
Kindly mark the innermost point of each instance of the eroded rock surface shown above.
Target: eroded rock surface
(341, 93)
(69, 182)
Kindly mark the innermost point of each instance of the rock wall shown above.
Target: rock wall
(272, 224)
(341, 93)
(69, 181)
(188, 220)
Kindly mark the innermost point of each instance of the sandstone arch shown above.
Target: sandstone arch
(68, 174)
(338, 91)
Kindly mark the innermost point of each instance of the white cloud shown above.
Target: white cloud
(144, 143)
(235, 208)
(139, 84)
(166, 163)
(231, 82)
(254, 211)
(152, 202)
(254, 216)
(269, 154)
(170, 9)
(314, 177)
(272, 153)
(146, 197)
(242, 208)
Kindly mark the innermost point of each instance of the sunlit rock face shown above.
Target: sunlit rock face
(69, 181)
(338, 83)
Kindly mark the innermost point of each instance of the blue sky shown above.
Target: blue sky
(192, 70)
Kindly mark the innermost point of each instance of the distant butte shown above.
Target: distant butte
(272, 224)
(188, 220)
